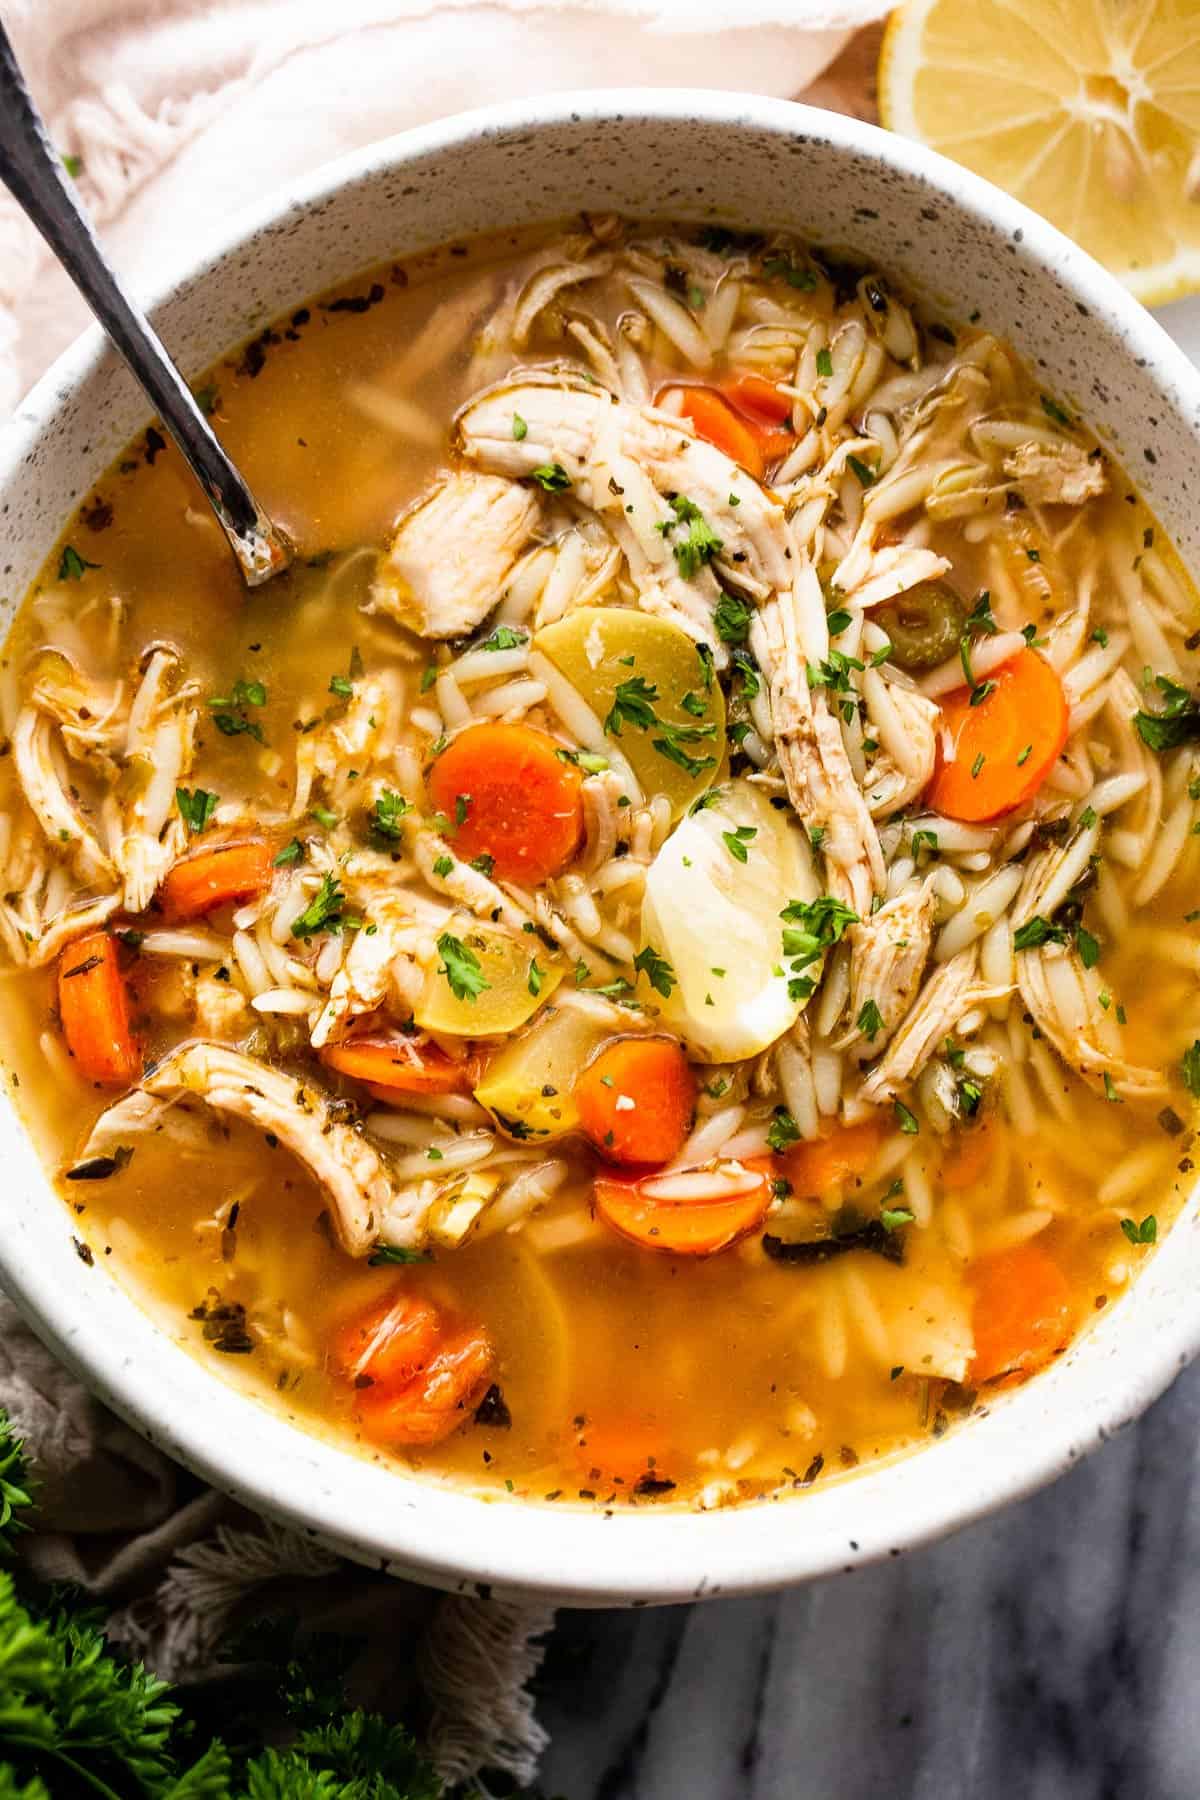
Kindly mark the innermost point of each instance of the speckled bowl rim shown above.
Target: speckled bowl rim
(455, 1540)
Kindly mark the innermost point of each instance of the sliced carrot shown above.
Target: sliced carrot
(680, 1227)
(713, 419)
(1005, 747)
(441, 1398)
(392, 1062)
(1022, 1312)
(971, 1150)
(635, 1099)
(211, 877)
(390, 1344)
(827, 1165)
(510, 795)
(760, 398)
(93, 1004)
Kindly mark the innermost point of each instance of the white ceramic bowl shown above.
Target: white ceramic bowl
(677, 154)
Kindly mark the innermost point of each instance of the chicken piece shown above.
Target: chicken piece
(221, 1010)
(904, 723)
(627, 463)
(1063, 475)
(297, 1114)
(888, 571)
(378, 963)
(75, 921)
(788, 635)
(56, 808)
(1061, 994)
(452, 553)
(545, 285)
(347, 741)
(92, 715)
(950, 992)
(160, 740)
(888, 953)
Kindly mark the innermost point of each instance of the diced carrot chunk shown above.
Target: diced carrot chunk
(93, 1004)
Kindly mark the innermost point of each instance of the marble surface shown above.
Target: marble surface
(1049, 1653)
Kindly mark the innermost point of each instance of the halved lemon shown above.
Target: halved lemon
(1087, 110)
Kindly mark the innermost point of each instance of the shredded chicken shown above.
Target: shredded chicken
(1065, 475)
(295, 1112)
(788, 635)
(55, 805)
(892, 570)
(545, 285)
(950, 992)
(1061, 993)
(452, 553)
(92, 715)
(888, 954)
(159, 745)
(626, 463)
(343, 742)
(379, 963)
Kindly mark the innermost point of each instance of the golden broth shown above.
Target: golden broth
(623, 1373)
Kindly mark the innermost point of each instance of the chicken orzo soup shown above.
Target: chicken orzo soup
(659, 964)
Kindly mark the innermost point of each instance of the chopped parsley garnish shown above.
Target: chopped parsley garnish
(864, 471)
(551, 476)
(1054, 411)
(824, 364)
(290, 853)
(535, 978)
(1191, 1068)
(1088, 947)
(1026, 753)
(783, 268)
(837, 621)
(387, 813)
(387, 1254)
(428, 678)
(633, 704)
(504, 638)
(324, 910)
(810, 928)
(657, 970)
(906, 1120)
(870, 1019)
(783, 1129)
(732, 619)
(893, 1217)
(1145, 1233)
(72, 164)
(923, 840)
(977, 766)
(461, 967)
(520, 429)
(1177, 721)
(1037, 931)
(1100, 636)
(701, 543)
(736, 841)
(1110, 1092)
(443, 866)
(483, 863)
(196, 807)
(703, 801)
(229, 710)
(324, 816)
(71, 566)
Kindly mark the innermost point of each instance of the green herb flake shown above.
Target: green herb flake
(907, 1121)
(870, 1019)
(461, 967)
(737, 840)
(1145, 1233)
(657, 970)
(520, 429)
(323, 912)
(1191, 1068)
(72, 566)
(551, 476)
(824, 364)
(443, 866)
(387, 813)
(864, 472)
(196, 807)
(783, 1130)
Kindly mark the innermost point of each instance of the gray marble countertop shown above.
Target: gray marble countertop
(1050, 1653)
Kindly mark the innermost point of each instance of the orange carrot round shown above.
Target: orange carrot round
(759, 398)
(713, 419)
(680, 1227)
(1022, 1312)
(389, 1345)
(1004, 747)
(390, 1061)
(211, 877)
(827, 1165)
(635, 1099)
(441, 1398)
(93, 1004)
(510, 795)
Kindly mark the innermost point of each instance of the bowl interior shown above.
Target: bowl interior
(688, 155)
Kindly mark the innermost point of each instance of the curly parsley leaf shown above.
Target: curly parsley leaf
(323, 912)
(657, 970)
(196, 807)
(461, 967)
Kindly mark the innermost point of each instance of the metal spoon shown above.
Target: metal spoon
(32, 171)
